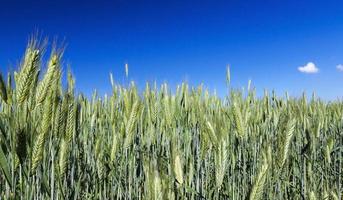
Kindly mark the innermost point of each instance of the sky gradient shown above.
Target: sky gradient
(193, 41)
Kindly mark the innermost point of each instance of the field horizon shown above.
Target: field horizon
(123, 78)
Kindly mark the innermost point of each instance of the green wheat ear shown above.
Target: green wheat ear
(286, 139)
(130, 125)
(63, 161)
(258, 186)
(46, 84)
(71, 123)
(228, 75)
(3, 90)
(114, 145)
(38, 148)
(221, 157)
(178, 170)
(238, 120)
(212, 133)
(27, 74)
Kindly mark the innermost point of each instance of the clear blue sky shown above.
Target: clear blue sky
(172, 41)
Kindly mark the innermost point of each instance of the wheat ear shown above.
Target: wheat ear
(27, 74)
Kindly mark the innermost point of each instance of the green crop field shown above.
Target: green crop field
(155, 144)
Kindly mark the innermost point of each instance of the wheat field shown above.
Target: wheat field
(155, 144)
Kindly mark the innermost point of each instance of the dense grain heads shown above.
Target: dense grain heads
(159, 145)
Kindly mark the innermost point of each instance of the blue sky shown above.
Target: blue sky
(173, 41)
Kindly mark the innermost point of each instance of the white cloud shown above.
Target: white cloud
(340, 67)
(309, 68)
